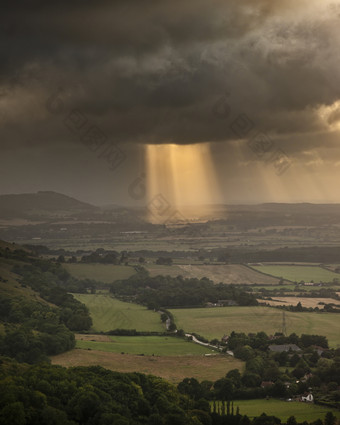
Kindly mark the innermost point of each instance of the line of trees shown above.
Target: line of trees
(162, 291)
(45, 394)
(33, 330)
(91, 396)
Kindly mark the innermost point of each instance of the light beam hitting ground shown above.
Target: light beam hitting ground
(184, 175)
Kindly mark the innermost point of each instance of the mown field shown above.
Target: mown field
(283, 409)
(215, 322)
(172, 368)
(226, 273)
(299, 273)
(106, 273)
(109, 313)
(146, 345)
(229, 273)
(305, 301)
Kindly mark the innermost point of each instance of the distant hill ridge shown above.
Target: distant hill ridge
(28, 204)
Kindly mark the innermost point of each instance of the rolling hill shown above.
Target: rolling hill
(41, 204)
(37, 315)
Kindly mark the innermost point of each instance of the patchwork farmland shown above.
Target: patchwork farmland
(218, 321)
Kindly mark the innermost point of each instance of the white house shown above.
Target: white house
(308, 398)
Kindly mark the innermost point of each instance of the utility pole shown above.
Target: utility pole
(284, 325)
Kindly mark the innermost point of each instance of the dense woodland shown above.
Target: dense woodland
(45, 394)
(166, 291)
(52, 395)
(37, 328)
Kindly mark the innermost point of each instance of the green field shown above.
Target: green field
(109, 313)
(106, 273)
(298, 273)
(147, 345)
(215, 322)
(172, 368)
(283, 409)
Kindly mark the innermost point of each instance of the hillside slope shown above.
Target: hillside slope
(41, 204)
(37, 315)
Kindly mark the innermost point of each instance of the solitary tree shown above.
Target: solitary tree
(291, 421)
(330, 419)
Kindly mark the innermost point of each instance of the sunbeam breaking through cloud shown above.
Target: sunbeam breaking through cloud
(183, 174)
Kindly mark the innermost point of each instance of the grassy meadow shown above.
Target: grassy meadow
(215, 322)
(106, 273)
(146, 345)
(283, 409)
(172, 368)
(298, 273)
(109, 313)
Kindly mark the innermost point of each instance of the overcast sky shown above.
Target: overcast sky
(256, 80)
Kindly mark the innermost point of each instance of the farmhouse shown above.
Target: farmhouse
(213, 305)
(222, 303)
(227, 302)
(306, 377)
(307, 398)
(225, 338)
(266, 384)
(319, 350)
(284, 347)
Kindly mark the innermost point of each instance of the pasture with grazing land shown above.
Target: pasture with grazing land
(109, 313)
(217, 321)
(299, 273)
(283, 409)
(106, 273)
(146, 345)
(172, 368)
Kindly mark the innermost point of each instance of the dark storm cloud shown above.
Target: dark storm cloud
(133, 25)
(152, 71)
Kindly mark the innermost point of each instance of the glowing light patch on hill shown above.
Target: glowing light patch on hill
(184, 175)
